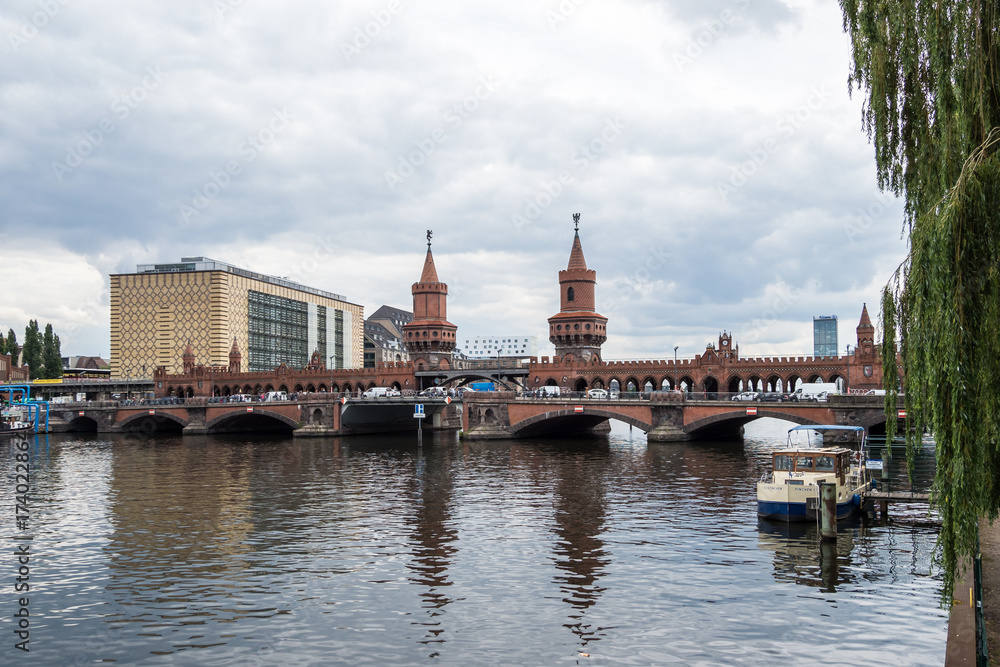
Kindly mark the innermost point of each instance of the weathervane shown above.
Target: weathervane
(430, 233)
(576, 221)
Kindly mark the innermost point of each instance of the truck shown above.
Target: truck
(815, 391)
(482, 386)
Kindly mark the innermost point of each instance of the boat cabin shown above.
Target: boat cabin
(797, 463)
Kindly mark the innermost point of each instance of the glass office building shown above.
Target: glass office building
(825, 336)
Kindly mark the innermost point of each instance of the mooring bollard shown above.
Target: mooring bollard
(828, 510)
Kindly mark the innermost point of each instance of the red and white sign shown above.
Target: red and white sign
(447, 400)
(152, 412)
(751, 411)
(902, 414)
(343, 400)
(81, 413)
(578, 408)
(249, 409)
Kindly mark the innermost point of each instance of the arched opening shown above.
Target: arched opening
(794, 382)
(735, 385)
(551, 383)
(711, 388)
(83, 424)
(687, 384)
(581, 385)
(298, 388)
(189, 392)
(347, 389)
(615, 386)
(317, 416)
(396, 386)
(598, 383)
(649, 384)
(839, 381)
(631, 386)
(310, 387)
(667, 384)
(815, 378)
(227, 391)
(570, 294)
(774, 383)
(754, 383)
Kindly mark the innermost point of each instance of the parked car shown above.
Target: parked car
(598, 393)
(771, 397)
(745, 396)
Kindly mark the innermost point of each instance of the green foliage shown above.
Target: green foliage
(51, 356)
(12, 344)
(33, 350)
(932, 73)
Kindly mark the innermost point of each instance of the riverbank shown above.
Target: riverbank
(989, 547)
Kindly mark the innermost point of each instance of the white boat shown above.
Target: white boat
(12, 422)
(790, 492)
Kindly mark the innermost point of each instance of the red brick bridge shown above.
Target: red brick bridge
(664, 417)
(314, 415)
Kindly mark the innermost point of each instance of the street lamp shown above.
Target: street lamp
(675, 365)
(847, 389)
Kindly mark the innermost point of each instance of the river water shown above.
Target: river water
(261, 550)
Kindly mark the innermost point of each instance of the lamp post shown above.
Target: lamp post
(675, 365)
(498, 369)
(847, 389)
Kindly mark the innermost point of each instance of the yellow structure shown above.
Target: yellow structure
(159, 309)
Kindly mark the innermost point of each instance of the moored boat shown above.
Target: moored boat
(790, 492)
(12, 422)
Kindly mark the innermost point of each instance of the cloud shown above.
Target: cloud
(257, 133)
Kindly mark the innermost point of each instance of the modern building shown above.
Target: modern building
(161, 308)
(825, 336)
(488, 347)
(577, 330)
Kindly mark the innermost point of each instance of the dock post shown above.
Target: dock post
(420, 433)
(886, 460)
(828, 510)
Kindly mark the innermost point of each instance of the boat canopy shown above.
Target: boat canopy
(827, 427)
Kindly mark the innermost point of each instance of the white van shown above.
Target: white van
(275, 396)
(547, 391)
(815, 391)
(376, 392)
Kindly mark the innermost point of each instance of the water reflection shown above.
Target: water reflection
(800, 556)
(430, 490)
(578, 473)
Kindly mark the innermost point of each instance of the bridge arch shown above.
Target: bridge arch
(794, 381)
(729, 423)
(560, 418)
(155, 423)
(649, 384)
(258, 420)
(735, 384)
(666, 384)
(83, 424)
(580, 385)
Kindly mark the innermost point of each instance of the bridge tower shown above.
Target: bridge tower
(430, 337)
(866, 335)
(577, 330)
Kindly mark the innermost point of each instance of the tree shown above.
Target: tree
(51, 355)
(931, 70)
(11, 348)
(33, 350)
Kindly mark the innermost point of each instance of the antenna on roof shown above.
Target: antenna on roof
(576, 222)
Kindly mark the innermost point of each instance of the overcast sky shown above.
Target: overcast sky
(711, 147)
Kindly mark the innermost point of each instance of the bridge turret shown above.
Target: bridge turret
(577, 331)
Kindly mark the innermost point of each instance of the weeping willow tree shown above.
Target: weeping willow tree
(930, 70)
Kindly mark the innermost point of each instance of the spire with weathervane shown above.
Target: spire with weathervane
(430, 337)
(577, 331)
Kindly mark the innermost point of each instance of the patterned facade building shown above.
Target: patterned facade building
(159, 310)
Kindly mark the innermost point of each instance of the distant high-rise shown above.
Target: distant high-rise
(825, 336)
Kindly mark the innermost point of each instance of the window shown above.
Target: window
(782, 462)
(803, 463)
(570, 294)
(824, 463)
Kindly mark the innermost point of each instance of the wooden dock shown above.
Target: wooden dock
(899, 496)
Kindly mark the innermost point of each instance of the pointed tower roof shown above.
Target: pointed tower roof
(576, 259)
(429, 274)
(189, 350)
(866, 321)
(235, 348)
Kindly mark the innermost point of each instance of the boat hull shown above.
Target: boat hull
(790, 511)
